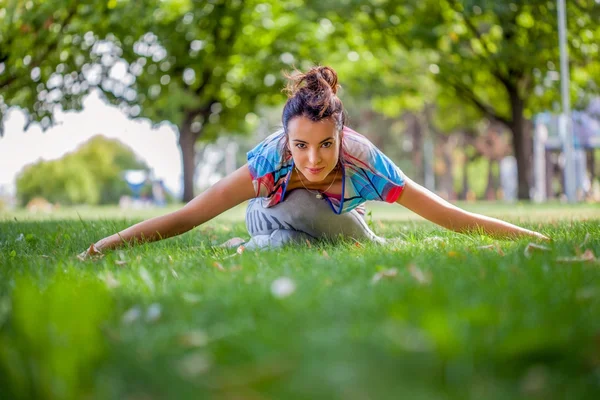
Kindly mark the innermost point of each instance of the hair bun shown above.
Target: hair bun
(316, 80)
(320, 74)
(313, 95)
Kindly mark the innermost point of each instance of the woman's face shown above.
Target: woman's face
(315, 146)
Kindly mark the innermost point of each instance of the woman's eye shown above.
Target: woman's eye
(301, 145)
(326, 145)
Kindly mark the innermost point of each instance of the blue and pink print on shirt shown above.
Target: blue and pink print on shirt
(368, 174)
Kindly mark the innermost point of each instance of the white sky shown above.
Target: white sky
(157, 147)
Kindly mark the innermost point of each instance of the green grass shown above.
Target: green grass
(164, 320)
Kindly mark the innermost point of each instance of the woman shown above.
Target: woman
(310, 180)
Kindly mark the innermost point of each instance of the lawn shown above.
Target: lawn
(437, 315)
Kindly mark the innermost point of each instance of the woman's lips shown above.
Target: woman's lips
(315, 171)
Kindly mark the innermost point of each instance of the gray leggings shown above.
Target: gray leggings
(299, 218)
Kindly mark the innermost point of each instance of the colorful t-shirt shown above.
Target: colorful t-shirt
(367, 173)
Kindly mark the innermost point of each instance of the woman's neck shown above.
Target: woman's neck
(332, 183)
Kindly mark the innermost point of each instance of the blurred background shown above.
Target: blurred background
(143, 103)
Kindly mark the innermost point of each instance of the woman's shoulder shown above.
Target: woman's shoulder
(272, 143)
(352, 136)
(359, 152)
(357, 147)
(373, 174)
(269, 155)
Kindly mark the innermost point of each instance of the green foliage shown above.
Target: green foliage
(477, 177)
(206, 66)
(184, 319)
(54, 339)
(91, 175)
(476, 52)
(219, 59)
(44, 49)
(106, 159)
(203, 66)
(65, 181)
(494, 59)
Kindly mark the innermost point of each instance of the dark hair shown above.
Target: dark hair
(313, 95)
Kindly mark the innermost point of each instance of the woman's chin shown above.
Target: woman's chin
(315, 178)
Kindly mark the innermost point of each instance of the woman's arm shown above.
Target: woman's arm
(432, 207)
(223, 195)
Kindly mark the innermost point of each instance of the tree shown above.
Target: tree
(93, 174)
(43, 46)
(206, 66)
(58, 181)
(492, 55)
(203, 66)
(384, 78)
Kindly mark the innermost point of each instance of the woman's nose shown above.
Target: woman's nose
(314, 157)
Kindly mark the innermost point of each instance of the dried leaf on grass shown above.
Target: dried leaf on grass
(131, 315)
(535, 382)
(494, 247)
(233, 242)
(193, 365)
(92, 253)
(238, 382)
(587, 256)
(218, 266)
(424, 278)
(195, 338)
(397, 243)
(283, 287)
(586, 293)
(191, 298)
(146, 278)
(154, 312)
(535, 248)
(586, 239)
(435, 241)
(110, 280)
(386, 273)
(325, 255)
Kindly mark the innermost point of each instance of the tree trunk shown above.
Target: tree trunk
(521, 143)
(549, 175)
(417, 149)
(187, 141)
(447, 177)
(491, 187)
(591, 162)
(465, 178)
